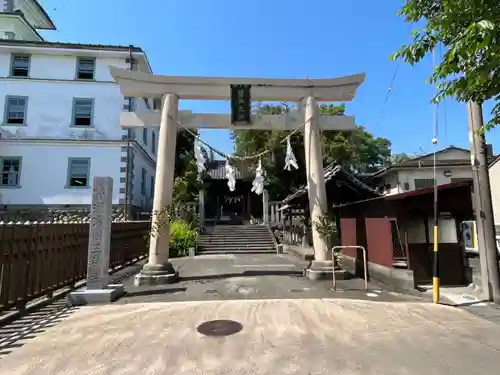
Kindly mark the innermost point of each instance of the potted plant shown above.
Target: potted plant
(326, 226)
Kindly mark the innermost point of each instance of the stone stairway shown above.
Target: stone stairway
(236, 239)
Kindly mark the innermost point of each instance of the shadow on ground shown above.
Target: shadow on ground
(15, 333)
(249, 273)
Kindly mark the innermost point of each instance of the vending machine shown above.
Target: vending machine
(469, 236)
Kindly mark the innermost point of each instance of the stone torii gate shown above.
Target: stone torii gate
(306, 92)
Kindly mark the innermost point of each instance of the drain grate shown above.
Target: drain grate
(219, 328)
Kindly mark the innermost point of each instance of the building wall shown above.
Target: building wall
(14, 24)
(140, 162)
(146, 137)
(391, 184)
(44, 172)
(450, 154)
(495, 190)
(398, 179)
(415, 230)
(44, 66)
(51, 89)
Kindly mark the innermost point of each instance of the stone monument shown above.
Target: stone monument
(98, 290)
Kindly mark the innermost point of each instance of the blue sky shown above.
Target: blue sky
(278, 39)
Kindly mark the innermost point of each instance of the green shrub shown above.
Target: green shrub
(182, 237)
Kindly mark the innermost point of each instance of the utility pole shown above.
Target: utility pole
(483, 209)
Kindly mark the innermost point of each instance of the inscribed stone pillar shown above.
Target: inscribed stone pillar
(99, 233)
(98, 290)
(318, 205)
(159, 270)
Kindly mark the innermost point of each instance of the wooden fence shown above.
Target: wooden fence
(278, 216)
(38, 259)
(188, 211)
(287, 225)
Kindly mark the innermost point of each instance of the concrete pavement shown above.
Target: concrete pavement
(302, 336)
(289, 325)
(251, 276)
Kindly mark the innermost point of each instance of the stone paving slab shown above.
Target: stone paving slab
(256, 276)
(301, 336)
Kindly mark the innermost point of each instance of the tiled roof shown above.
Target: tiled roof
(106, 47)
(216, 169)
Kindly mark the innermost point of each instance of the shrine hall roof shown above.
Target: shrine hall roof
(216, 170)
(336, 174)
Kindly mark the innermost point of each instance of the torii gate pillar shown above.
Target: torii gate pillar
(140, 84)
(316, 189)
(159, 270)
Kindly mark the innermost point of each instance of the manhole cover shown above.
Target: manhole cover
(219, 328)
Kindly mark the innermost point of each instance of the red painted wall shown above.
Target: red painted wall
(379, 241)
(348, 236)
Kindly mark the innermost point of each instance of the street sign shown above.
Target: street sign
(241, 104)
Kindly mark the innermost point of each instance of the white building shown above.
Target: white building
(494, 169)
(452, 164)
(61, 117)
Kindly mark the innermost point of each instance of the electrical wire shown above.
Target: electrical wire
(389, 91)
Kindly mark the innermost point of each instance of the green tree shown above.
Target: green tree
(356, 150)
(400, 158)
(184, 152)
(469, 30)
(186, 184)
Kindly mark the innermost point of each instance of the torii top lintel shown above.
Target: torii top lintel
(140, 84)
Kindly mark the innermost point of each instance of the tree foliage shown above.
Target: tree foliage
(469, 30)
(400, 158)
(186, 184)
(184, 152)
(355, 150)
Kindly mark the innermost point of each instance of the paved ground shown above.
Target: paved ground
(254, 276)
(303, 336)
(289, 325)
